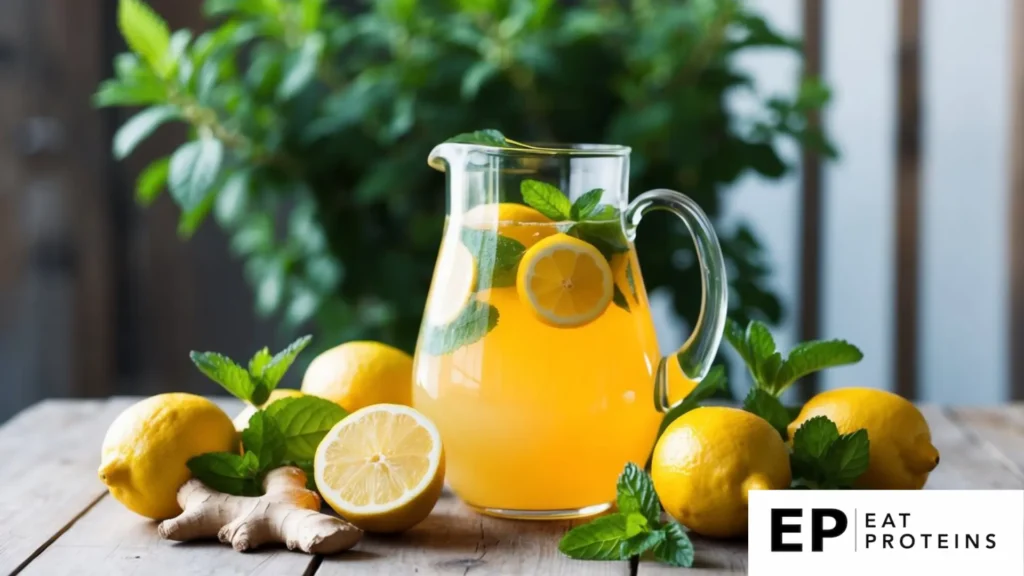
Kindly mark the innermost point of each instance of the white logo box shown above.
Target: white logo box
(916, 533)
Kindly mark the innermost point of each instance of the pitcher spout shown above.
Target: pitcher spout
(442, 155)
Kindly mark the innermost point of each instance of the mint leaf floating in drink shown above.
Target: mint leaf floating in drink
(546, 199)
(635, 529)
(586, 205)
(497, 257)
(471, 325)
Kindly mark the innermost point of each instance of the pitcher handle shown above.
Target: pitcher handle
(699, 350)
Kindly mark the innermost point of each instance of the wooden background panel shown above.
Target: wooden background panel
(964, 202)
(858, 265)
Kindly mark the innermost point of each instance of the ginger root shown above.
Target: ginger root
(286, 513)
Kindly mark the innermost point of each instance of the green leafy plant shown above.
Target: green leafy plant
(633, 530)
(821, 458)
(309, 126)
(286, 432)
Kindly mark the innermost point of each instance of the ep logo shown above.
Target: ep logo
(823, 523)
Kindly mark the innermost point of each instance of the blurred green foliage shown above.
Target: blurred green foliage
(310, 126)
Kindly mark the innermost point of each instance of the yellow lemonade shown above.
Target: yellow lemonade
(535, 416)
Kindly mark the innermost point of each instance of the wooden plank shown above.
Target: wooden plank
(908, 175)
(456, 540)
(711, 558)
(1016, 235)
(966, 462)
(110, 540)
(812, 217)
(48, 478)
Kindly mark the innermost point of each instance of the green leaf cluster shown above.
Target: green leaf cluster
(309, 123)
(636, 528)
(770, 371)
(824, 458)
(285, 433)
(252, 385)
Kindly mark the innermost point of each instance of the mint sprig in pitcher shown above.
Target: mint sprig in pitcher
(537, 357)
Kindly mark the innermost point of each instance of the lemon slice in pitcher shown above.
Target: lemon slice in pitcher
(381, 468)
(565, 281)
(454, 283)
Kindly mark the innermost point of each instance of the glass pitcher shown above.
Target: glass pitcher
(537, 357)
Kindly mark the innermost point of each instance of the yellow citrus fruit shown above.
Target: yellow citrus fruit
(146, 449)
(706, 462)
(381, 468)
(901, 452)
(517, 221)
(358, 374)
(565, 281)
(242, 420)
(455, 278)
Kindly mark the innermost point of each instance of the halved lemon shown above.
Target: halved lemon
(454, 281)
(565, 281)
(381, 468)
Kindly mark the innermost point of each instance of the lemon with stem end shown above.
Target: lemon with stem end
(707, 461)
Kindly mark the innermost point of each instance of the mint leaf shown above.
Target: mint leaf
(810, 357)
(488, 137)
(546, 199)
(604, 212)
(631, 281)
(497, 257)
(619, 299)
(282, 361)
(600, 539)
(712, 383)
(303, 421)
(767, 406)
(642, 543)
(227, 472)
(225, 372)
(815, 436)
(146, 34)
(847, 459)
(472, 324)
(585, 205)
(676, 548)
(263, 439)
(736, 336)
(811, 443)
(760, 340)
(607, 236)
(636, 494)
(259, 362)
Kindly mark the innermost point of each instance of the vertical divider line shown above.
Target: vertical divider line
(1016, 225)
(811, 199)
(908, 183)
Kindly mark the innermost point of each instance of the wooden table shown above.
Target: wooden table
(56, 517)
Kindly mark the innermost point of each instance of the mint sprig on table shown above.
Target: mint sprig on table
(633, 530)
(821, 458)
(285, 433)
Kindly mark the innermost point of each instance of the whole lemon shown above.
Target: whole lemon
(146, 449)
(242, 420)
(706, 462)
(359, 374)
(901, 453)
